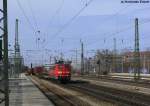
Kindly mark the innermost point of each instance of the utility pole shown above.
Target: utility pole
(61, 54)
(17, 51)
(76, 52)
(99, 65)
(31, 65)
(76, 57)
(50, 59)
(136, 53)
(122, 60)
(114, 57)
(144, 63)
(5, 56)
(82, 58)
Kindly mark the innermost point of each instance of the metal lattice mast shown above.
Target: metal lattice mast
(82, 58)
(115, 55)
(136, 52)
(17, 58)
(17, 47)
(4, 61)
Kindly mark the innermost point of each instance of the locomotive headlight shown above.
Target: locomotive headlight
(59, 72)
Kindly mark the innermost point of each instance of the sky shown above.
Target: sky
(97, 25)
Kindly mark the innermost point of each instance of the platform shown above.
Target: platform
(25, 93)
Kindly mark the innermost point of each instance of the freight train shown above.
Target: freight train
(60, 71)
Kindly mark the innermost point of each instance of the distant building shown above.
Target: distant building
(119, 63)
(144, 61)
(14, 70)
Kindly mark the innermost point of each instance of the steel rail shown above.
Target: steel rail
(140, 83)
(62, 97)
(114, 95)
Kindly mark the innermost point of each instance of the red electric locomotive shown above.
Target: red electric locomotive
(61, 71)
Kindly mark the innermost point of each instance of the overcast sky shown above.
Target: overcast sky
(96, 25)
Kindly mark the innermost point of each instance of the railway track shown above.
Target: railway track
(115, 96)
(57, 95)
(122, 98)
(141, 83)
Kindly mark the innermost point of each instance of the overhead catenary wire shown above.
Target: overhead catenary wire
(120, 31)
(72, 19)
(145, 37)
(114, 15)
(87, 3)
(58, 10)
(105, 34)
(33, 14)
(144, 22)
(25, 15)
